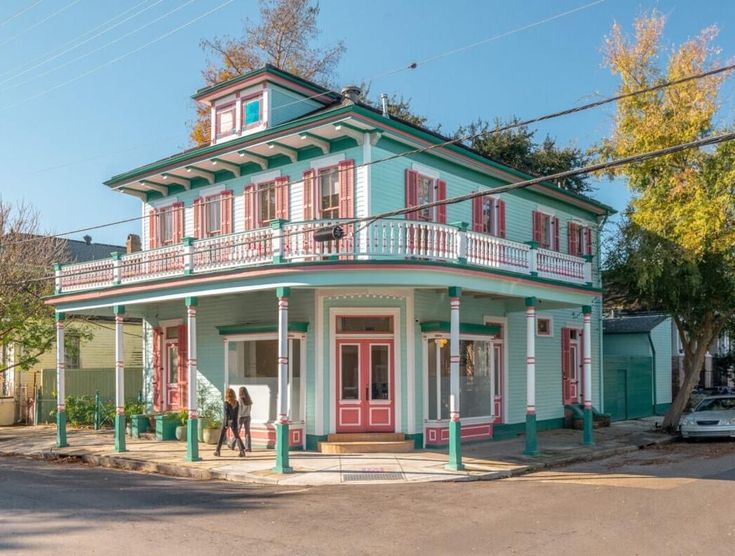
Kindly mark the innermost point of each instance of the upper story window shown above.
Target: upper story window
(579, 239)
(328, 200)
(488, 215)
(422, 189)
(266, 201)
(225, 121)
(329, 192)
(546, 230)
(213, 215)
(165, 225)
(252, 111)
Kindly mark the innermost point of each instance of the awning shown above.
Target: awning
(260, 328)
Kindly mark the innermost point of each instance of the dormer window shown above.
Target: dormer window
(252, 111)
(225, 124)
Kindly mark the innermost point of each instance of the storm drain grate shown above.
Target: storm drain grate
(373, 476)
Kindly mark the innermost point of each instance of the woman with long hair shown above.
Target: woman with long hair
(229, 421)
(245, 403)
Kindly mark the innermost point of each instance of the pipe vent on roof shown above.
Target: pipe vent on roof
(384, 105)
(352, 92)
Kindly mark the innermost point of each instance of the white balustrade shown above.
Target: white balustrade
(294, 242)
(560, 266)
(495, 252)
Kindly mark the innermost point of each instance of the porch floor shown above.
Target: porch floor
(483, 461)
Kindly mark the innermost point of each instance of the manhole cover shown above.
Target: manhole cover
(373, 476)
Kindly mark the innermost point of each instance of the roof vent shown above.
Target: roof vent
(384, 105)
(87, 239)
(352, 92)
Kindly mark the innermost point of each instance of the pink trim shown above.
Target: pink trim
(438, 434)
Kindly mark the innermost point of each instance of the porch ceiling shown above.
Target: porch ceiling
(259, 154)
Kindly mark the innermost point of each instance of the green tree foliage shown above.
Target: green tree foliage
(674, 251)
(517, 148)
(284, 37)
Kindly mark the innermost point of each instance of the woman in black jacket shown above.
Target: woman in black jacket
(229, 421)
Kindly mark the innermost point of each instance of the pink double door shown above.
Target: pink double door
(365, 385)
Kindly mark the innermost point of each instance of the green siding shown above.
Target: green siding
(628, 387)
(287, 106)
(86, 382)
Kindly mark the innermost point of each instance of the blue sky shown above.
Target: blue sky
(72, 122)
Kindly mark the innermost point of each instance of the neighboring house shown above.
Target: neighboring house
(229, 245)
(637, 365)
(92, 351)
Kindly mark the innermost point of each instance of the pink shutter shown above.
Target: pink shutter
(537, 232)
(198, 218)
(346, 189)
(501, 217)
(250, 219)
(282, 197)
(411, 193)
(152, 229)
(225, 207)
(555, 231)
(587, 241)
(478, 224)
(177, 211)
(309, 180)
(441, 194)
(572, 238)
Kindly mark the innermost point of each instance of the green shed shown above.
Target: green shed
(636, 366)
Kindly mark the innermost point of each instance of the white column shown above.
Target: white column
(282, 356)
(191, 350)
(119, 363)
(227, 365)
(60, 356)
(530, 360)
(454, 358)
(587, 359)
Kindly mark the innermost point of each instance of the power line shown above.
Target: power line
(414, 65)
(633, 159)
(74, 46)
(19, 13)
(95, 50)
(41, 21)
(448, 142)
(121, 57)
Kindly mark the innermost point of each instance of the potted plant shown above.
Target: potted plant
(166, 426)
(183, 417)
(210, 414)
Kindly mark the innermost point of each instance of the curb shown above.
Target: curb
(183, 471)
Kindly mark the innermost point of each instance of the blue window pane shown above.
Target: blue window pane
(252, 112)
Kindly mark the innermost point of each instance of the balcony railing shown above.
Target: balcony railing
(293, 242)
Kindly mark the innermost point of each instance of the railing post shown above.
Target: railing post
(116, 275)
(533, 257)
(460, 245)
(188, 243)
(37, 407)
(57, 277)
(97, 413)
(278, 242)
(588, 269)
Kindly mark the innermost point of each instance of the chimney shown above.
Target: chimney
(352, 92)
(87, 239)
(384, 104)
(132, 245)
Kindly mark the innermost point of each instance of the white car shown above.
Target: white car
(713, 417)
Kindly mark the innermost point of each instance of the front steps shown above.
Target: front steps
(366, 443)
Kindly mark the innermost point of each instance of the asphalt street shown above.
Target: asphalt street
(675, 499)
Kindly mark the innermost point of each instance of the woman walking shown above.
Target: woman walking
(245, 403)
(229, 421)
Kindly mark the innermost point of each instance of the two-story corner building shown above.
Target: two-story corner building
(403, 325)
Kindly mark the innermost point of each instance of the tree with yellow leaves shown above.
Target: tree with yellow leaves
(675, 249)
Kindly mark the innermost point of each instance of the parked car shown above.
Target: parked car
(712, 417)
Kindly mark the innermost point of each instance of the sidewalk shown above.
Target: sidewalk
(483, 461)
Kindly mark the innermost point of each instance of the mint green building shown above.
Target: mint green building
(262, 266)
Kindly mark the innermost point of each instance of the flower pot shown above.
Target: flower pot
(138, 424)
(211, 435)
(166, 427)
(200, 430)
(181, 432)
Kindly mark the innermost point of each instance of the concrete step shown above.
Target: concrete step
(366, 437)
(366, 447)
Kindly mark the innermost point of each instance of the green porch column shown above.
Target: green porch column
(60, 407)
(282, 464)
(192, 425)
(455, 427)
(531, 442)
(587, 436)
(119, 312)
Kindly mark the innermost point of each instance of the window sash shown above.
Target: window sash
(547, 233)
(266, 203)
(166, 225)
(213, 211)
(425, 193)
(225, 121)
(329, 193)
(252, 111)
